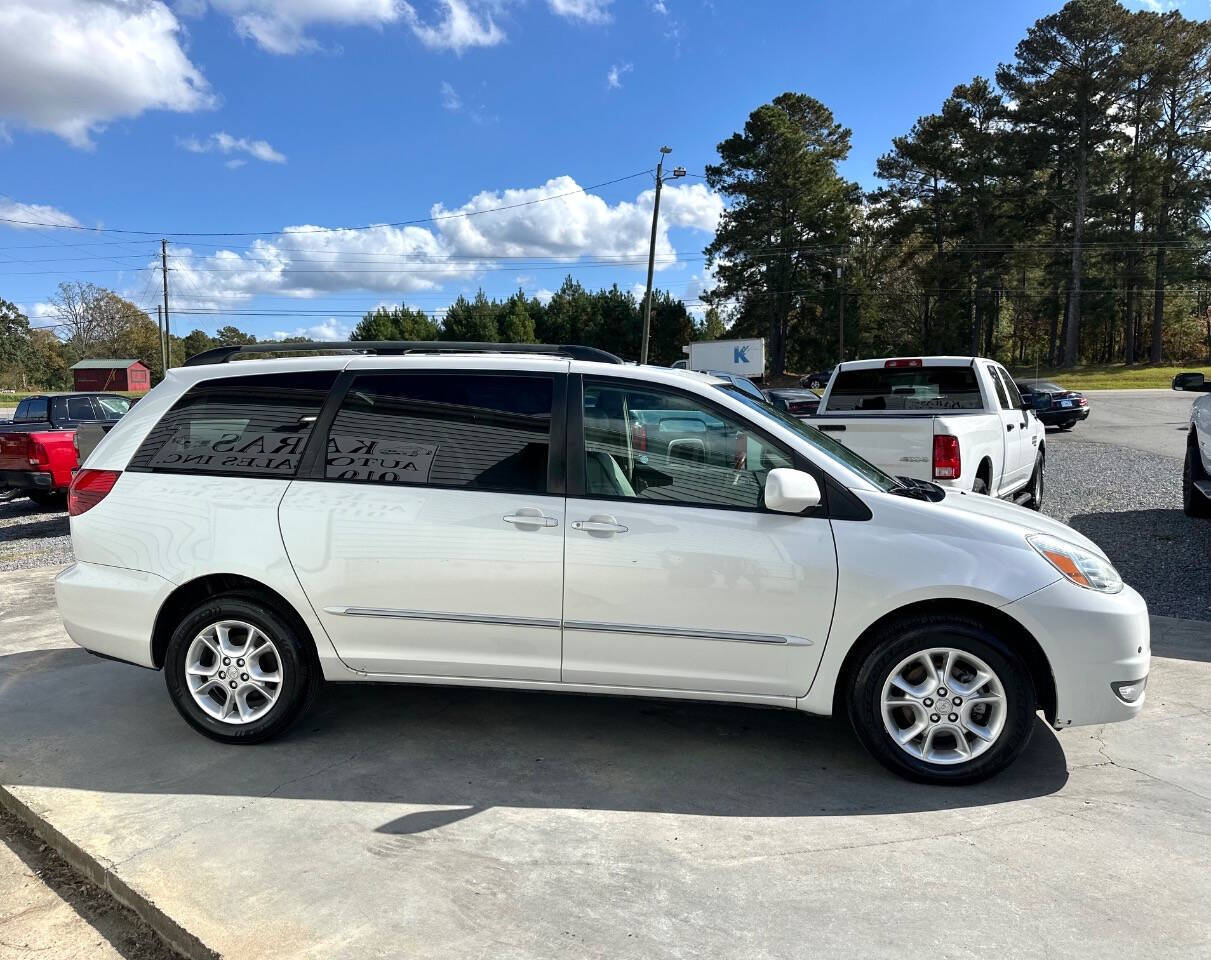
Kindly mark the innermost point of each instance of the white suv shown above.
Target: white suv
(546, 519)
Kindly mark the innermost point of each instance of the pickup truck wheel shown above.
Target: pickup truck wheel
(48, 500)
(979, 485)
(1194, 504)
(237, 671)
(942, 700)
(1035, 487)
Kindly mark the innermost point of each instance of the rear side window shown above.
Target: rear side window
(482, 432)
(35, 409)
(73, 408)
(22, 410)
(241, 426)
(999, 387)
(906, 388)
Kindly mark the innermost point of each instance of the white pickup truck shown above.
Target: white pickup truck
(956, 421)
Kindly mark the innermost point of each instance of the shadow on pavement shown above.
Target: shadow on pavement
(73, 721)
(1163, 554)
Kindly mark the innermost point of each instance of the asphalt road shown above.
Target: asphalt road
(1151, 421)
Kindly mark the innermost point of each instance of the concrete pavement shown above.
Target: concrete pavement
(423, 822)
(1153, 421)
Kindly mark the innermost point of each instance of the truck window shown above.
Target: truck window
(73, 408)
(22, 409)
(35, 411)
(1002, 397)
(908, 389)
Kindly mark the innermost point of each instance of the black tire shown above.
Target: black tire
(1067, 425)
(980, 485)
(300, 675)
(1036, 485)
(1194, 504)
(49, 500)
(901, 639)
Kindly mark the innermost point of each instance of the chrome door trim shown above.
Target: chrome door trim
(442, 616)
(648, 630)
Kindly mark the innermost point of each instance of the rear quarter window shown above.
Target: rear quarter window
(254, 426)
(908, 389)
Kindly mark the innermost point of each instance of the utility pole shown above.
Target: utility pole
(841, 308)
(163, 342)
(647, 300)
(164, 273)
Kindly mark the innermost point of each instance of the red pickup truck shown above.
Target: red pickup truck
(39, 449)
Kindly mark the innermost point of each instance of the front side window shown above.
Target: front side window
(647, 444)
(113, 408)
(252, 426)
(906, 389)
(478, 431)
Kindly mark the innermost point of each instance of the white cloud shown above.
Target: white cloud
(305, 261)
(35, 213)
(543, 295)
(235, 163)
(588, 11)
(659, 6)
(450, 99)
(458, 29)
(71, 66)
(280, 26)
(614, 77)
(225, 143)
(330, 329)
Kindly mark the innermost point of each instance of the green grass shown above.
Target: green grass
(12, 399)
(1111, 377)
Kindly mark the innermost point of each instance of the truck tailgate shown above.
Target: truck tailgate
(901, 446)
(14, 451)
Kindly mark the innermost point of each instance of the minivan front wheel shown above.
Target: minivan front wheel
(237, 671)
(942, 700)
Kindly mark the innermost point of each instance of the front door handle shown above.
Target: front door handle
(600, 523)
(530, 517)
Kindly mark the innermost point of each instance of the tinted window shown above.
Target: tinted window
(1015, 398)
(73, 408)
(906, 388)
(484, 432)
(246, 426)
(999, 387)
(646, 444)
(22, 408)
(36, 409)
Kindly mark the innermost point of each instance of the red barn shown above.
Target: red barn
(105, 375)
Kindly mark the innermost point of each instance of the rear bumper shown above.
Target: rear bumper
(1092, 641)
(27, 480)
(1052, 417)
(111, 610)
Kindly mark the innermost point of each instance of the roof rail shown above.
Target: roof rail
(396, 347)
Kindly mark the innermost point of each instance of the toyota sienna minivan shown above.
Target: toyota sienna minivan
(549, 518)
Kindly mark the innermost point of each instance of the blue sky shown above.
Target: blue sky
(242, 116)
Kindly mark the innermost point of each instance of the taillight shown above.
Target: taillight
(639, 437)
(947, 464)
(88, 488)
(1083, 402)
(903, 362)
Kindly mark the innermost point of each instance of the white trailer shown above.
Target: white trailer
(745, 358)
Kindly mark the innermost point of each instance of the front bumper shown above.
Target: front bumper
(111, 610)
(1091, 640)
(27, 480)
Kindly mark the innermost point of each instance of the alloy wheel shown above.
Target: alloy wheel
(943, 705)
(234, 672)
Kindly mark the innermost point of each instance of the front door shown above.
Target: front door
(429, 538)
(676, 576)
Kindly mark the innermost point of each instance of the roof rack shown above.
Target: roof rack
(397, 347)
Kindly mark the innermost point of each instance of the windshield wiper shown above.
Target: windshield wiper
(918, 489)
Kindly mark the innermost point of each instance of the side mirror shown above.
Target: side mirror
(1190, 381)
(1028, 403)
(791, 491)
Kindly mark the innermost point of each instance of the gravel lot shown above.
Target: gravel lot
(31, 536)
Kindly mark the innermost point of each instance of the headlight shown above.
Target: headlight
(1081, 566)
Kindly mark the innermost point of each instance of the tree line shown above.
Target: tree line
(1056, 213)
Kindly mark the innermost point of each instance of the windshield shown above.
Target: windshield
(818, 440)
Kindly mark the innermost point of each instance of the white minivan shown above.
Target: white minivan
(549, 518)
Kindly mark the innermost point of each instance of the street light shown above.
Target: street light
(647, 300)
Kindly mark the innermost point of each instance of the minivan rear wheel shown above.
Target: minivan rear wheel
(237, 671)
(942, 700)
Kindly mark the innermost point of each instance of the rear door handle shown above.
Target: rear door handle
(600, 523)
(530, 517)
(1009, 426)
